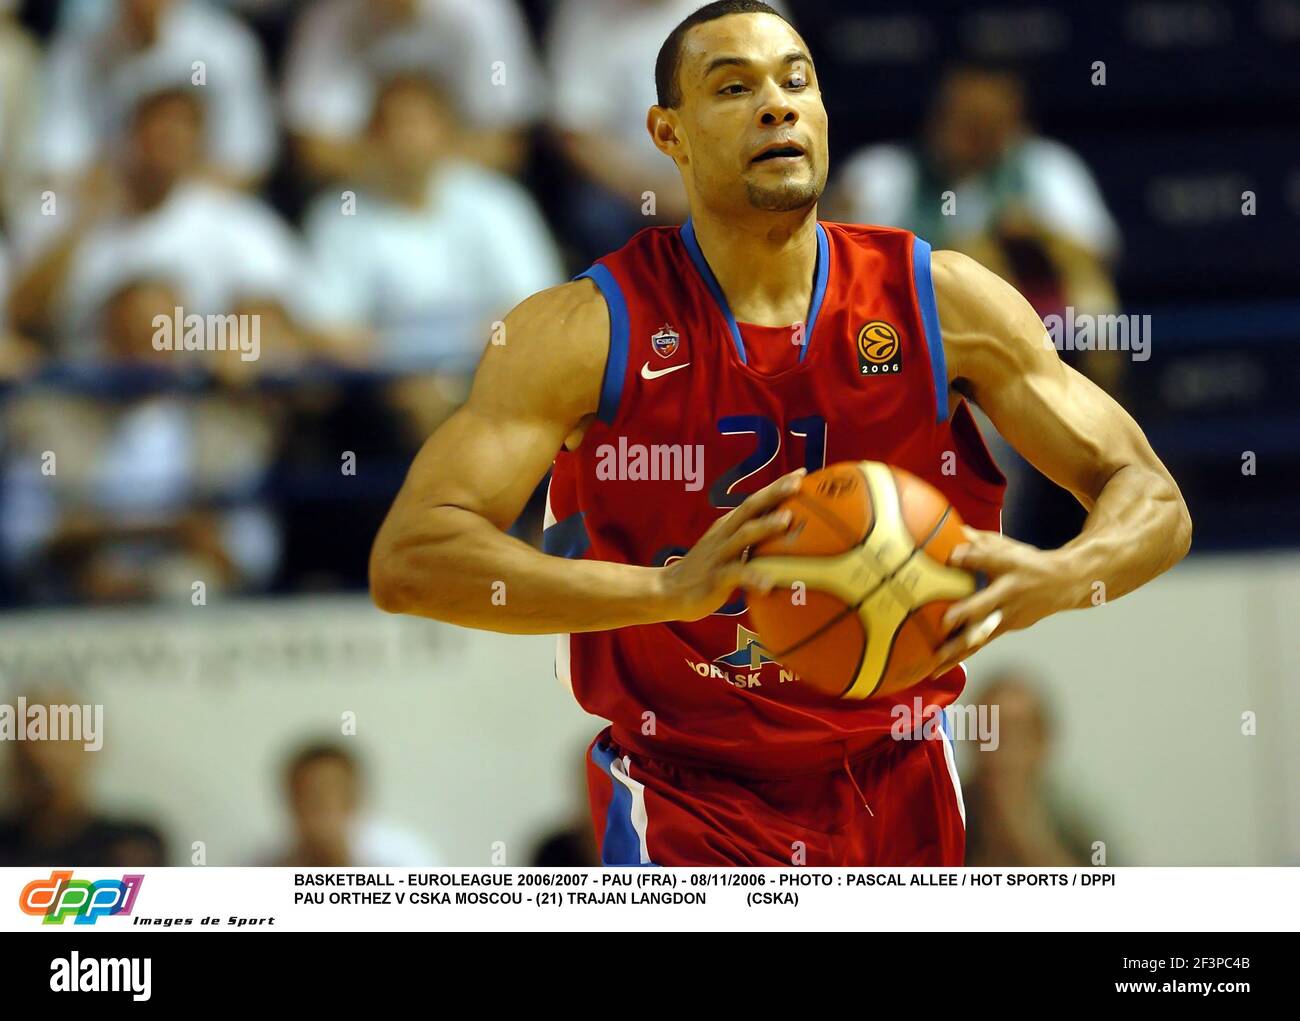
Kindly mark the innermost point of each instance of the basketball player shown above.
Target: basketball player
(769, 343)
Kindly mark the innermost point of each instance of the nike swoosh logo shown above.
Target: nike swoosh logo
(649, 373)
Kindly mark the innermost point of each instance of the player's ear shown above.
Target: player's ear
(662, 125)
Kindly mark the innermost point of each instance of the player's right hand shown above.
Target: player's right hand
(701, 581)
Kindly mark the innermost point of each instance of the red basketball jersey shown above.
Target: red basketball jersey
(686, 429)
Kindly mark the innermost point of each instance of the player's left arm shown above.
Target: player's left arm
(1000, 356)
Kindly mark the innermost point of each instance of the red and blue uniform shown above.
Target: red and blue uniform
(715, 753)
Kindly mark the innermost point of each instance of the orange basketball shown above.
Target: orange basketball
(861, 580)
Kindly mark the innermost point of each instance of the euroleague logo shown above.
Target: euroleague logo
(880, 349)
(61, 897)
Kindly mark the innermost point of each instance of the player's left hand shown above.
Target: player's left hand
(1025, 585)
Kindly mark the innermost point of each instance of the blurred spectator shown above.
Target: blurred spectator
(978, 145)
(52, 820)
(19, 70)
(1012, 818)
(155, 488)
(415, 265)
(152, 215)
(573, 844)
(324, 787)
(434, 250)
(341, 49)
(106, 56)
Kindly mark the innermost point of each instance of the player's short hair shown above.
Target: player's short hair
(667, 64)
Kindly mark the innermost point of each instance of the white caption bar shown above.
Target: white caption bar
(651, 899)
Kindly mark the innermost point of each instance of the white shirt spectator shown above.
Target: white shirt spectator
(94, 76)
(880, 186)
(216, 245)
(338, 52)
(431, 280)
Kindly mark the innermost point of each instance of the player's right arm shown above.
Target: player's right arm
(442, 551)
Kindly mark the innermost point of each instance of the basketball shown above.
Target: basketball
(861, 580)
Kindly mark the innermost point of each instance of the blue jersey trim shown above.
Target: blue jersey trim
(821, 274)
(567, 538)
(611, 387)
(711, 282)
(925, 301)
(622, 845)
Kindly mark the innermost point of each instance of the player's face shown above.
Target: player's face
(752, 121)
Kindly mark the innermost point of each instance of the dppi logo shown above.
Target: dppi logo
(60, 896)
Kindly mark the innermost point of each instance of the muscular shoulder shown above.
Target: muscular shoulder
(548, 354)
(962, 285)
(574, 309)
(988, 327)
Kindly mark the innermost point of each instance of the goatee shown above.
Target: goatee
(785, 197)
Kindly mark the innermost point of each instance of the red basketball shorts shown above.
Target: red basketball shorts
(899, 804)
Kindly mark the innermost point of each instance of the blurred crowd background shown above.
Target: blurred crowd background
(374, 183)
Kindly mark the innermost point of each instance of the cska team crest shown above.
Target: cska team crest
(665, 341)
